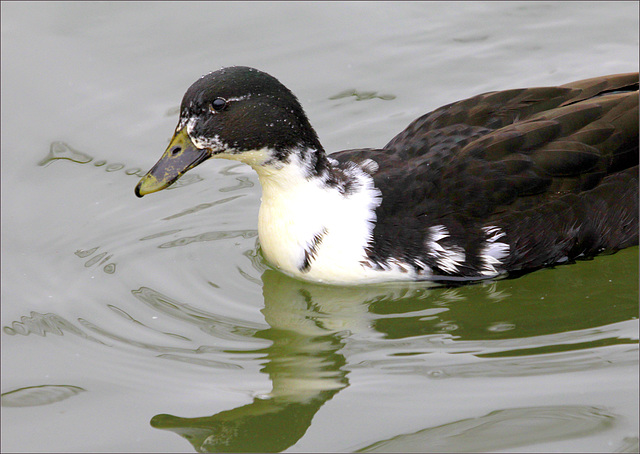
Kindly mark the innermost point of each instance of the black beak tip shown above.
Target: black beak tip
(137, 191)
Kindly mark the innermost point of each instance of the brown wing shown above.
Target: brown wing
(516, 159)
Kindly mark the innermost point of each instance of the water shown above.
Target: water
(155, 325)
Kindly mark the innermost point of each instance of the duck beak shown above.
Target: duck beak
(181, 155)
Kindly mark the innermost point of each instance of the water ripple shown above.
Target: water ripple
(210, 236)
(43, 324)
(32, 396)
(63, 151)
(221, 327)
(503, 429)
(200, 361)
(202, 206)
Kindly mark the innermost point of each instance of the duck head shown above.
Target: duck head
(235, 113)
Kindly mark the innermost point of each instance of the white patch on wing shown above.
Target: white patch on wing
(447, 258)
(395, 269)
(369, 166)
(493, 252)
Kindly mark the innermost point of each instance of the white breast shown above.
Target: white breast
(304, 221)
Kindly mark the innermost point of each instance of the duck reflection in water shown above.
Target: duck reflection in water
(303, 363)
(310, 324)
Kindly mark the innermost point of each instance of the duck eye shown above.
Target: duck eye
(217, 105)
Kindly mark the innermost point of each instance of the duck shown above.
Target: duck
(502, 183)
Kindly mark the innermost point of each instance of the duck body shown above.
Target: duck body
(502, 182)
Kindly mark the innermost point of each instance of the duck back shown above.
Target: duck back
(510, 180)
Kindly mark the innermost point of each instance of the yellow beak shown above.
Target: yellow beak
(181, 155)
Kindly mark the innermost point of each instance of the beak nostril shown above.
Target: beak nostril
(175, 151)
